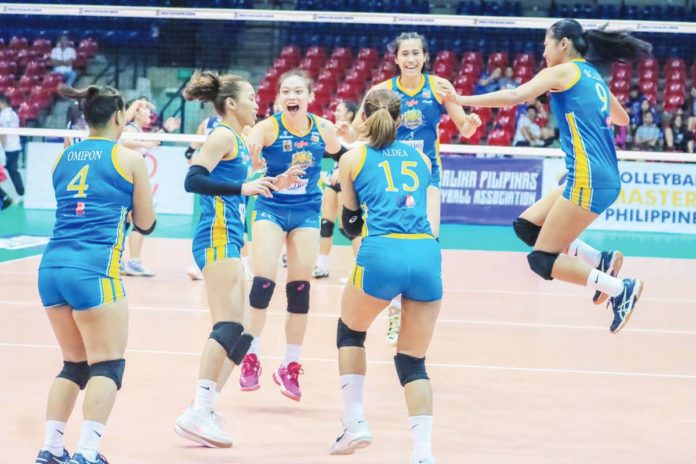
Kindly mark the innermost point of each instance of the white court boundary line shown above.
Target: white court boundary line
(292, 16)
(541, 370)
(525, 152)
(530, 325)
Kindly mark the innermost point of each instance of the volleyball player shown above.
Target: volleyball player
(219, 175)
(421, 109)
(344, 114)
(292, 137)
(97, 183)
(385, 186)
(586, 111)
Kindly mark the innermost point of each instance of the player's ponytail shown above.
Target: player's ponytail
(98, 103)
(599, 46)
(209, 86)
(383, 112)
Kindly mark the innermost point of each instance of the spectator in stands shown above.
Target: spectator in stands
(62, 58)
(691, 108)
(621, 136)
(11, 145)
(488, 82)
(508, 81)
(648, 134)
(528, 133)
(677, 137)
(76, 121)
(635, 98)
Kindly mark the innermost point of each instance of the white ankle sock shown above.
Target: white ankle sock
(323, 261)
(585, 252)
(292, 354)
(206, 394)
(352, 387)
(422, 431)
(54, 437)
(90, 436)
(254, 347)
(604, 283)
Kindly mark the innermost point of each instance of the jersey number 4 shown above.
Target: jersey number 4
(406, 170)
(79, 183)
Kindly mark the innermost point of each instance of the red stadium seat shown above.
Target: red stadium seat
(676, 75)
(497, 60)
(475, 138)
(27, 82)
(27, 111)
(18, 43)
(484, 113)
(35, 68)
(42, 46)
(315, 51)
(622, 97)
(52, 81)
(363, 68)
(505, 121)
(291, 51)
(41, 96)
(649, 63)
(446, 56)
(470, 69)
(473, 58)
(675, 88)
(499, 137)
(648, 75)
(343, 55)
(369, 55)
(443, 70)
(649, 91)
(81, 60)
(620, 85)
(524, 73)
(674, 64)
(621, 74)
(447, 122)
(445, 135)
(510, 111)
(673, 102)
(524, 59)
(381, 76)
(16, 96)
(6, 81)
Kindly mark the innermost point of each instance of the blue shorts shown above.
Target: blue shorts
(207, 255)
(596, 200)
(288, 217)
(78, 288)
(387, 267)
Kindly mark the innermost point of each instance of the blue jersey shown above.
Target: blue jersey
(222, 216)
(289, 148)
(391, 184)
(93, 196)
(587, 135)
(421, 111)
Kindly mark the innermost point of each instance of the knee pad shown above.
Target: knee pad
(345, 234)
(261, 292)
(527, 231)
(327, 228)
(110, 369)
(227, 334)
(76, 372)
(345, 336)
(409, 368)
(541, 263)
(241, 349)
(298, 296)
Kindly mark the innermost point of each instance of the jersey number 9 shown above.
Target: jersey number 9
(603, 97)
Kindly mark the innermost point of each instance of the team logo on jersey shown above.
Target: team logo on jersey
(408, 201)
(411, 103)
(80, 209)
(413, 119)
(303, 159)
(300, 144)
(314, 138)
(287, 145)
(427, 94)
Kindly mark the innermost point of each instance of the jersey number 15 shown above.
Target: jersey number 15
(406, 170)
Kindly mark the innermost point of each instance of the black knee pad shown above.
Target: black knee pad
(527, 231)
(227, 334)
(541, 263)
(327, 228)
(241, 349)
(298, 296)
(345, 234)
(261, 292)
(110, 369)
(345, 336)
(409, 368)
(76, 372)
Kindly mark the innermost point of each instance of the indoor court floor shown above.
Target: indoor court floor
(524, 371)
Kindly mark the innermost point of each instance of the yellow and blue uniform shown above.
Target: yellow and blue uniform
(220, 231)
(398, 254)
(421, 111)
(587, 139)
(80, 266)
(298, 205)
